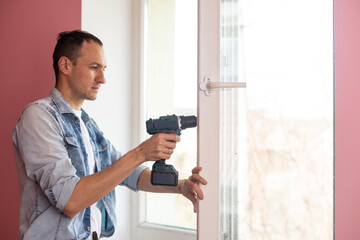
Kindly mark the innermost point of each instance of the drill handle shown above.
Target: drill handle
(161, 161)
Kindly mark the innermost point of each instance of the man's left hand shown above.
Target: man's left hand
(190, 187)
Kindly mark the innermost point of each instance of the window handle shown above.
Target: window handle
(208, 86)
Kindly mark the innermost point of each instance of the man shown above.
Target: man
(67, 169)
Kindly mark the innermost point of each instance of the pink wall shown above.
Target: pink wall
(347, 119)
(27, 37)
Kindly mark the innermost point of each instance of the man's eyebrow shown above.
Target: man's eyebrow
(97, 64)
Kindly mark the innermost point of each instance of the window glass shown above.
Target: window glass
(277, 135)
(171, 77)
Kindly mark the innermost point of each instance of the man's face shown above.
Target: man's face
(87, 75)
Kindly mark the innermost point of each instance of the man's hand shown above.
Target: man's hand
(159, 146)
(190, 187)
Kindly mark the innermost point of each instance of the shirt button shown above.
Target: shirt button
(88, 228)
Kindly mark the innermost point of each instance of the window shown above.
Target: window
(267, 150)
(273, 141)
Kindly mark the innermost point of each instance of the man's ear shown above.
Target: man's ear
(65, 65)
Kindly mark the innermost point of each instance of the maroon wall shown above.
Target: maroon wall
(28, 32)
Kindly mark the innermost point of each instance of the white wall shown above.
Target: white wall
(110, 20)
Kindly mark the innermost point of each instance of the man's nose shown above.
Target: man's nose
(101, 77)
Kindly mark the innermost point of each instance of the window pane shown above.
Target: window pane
(277, 135)
(171, 89)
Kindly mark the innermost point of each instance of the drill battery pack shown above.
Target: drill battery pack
(164, 174)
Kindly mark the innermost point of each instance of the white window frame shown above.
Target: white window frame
(208, 117)
(139, 228)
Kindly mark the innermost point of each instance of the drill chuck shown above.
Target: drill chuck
(188, 122)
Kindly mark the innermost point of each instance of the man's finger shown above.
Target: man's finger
(198, 179)
(196, 170)
(192, 198)
(194, 187)
(170, 137)
(168, 144)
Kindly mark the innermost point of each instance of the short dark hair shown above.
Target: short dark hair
(69, 44)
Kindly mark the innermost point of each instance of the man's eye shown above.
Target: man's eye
(93, 68)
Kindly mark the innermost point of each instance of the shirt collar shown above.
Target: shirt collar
(60, 101)
(64, 106)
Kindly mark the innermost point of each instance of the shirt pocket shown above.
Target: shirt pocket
(75, 155)
(103, 149)
(102, 144)
(71, 140)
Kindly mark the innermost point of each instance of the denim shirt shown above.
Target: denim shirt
(51, 159)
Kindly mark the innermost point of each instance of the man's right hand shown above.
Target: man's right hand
(159, 146)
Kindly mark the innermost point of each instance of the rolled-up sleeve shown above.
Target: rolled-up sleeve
(43, 151)
(131, 180)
